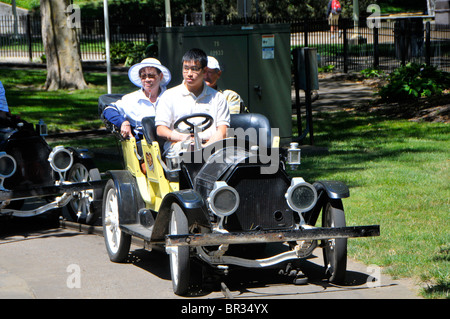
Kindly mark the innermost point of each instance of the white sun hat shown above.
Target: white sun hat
(213, 63)
(133, 72)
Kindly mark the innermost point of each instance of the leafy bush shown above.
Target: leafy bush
(326, 68)
(129, 53)
(119, 51)
(414, 81)
(372, 73)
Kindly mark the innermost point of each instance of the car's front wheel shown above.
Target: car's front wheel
(117, 242)
(179, 255)
(335, 250)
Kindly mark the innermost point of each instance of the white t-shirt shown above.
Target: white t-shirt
(178, 101)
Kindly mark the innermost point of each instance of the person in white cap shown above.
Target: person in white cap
(212, 75)
(152, 78)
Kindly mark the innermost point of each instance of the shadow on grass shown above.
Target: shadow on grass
(440, 290)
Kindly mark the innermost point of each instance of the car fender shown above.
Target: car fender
(193, 206)
(80, 154)
(334, 189)
(128, 196)
(326, 190)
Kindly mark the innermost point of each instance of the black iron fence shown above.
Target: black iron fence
(351, 48)
(386, 46)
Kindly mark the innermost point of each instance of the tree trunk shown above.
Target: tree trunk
(62, 48)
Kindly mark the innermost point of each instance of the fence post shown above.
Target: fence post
(344, 34)
(29, 38)
(428, 44)
(403, 38)
(305, 25)
(376, 53)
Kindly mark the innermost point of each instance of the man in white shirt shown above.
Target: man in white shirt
(192, 96)
(127, 113)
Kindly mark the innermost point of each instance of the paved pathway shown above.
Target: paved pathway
(336, 93)
(39, 265)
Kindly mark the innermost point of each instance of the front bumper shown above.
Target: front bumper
(52, 190)
(65, 193)
(271, 236)
(305, 234)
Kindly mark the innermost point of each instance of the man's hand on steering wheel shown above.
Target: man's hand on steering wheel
(176, 136)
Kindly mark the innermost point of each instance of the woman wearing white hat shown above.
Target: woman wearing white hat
(152, 78)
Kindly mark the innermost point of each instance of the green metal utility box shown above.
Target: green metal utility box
(255, 60)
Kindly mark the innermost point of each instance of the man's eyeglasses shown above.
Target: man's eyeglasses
(194, 69)
(150, 76)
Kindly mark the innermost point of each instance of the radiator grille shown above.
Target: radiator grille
(262, 202)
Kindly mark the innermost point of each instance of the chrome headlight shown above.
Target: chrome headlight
(223, 199)
(60, 159)
(7, 165)
(301, 196)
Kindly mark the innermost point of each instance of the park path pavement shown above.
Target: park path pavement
(336, 93)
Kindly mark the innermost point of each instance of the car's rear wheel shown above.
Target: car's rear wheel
(335, 250)
(81, 208)
(179, 255)
(117, 242)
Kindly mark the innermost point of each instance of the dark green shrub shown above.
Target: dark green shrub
(119, 51)
(129, 53)
(414, 81)
(372, 73)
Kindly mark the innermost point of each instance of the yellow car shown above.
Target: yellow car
(223, 204)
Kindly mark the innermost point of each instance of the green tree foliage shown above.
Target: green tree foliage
(143, 11)
(152, 12)
(126, 11)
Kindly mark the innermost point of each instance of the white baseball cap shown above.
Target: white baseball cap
(133, 72)
(213, 63)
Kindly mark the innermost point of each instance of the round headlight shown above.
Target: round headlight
(223, 199)
(301, 196)
(7, 165)
(60, 159)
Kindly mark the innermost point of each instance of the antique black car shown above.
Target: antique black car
(52, 178)
(223, 204)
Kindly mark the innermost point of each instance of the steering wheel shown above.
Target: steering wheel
(194, 128)
(204, 125)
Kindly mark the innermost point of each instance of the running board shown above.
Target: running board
(138, 230)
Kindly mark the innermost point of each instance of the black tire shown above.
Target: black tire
(179, 256)
(81, 208)
(117, 242)
(335, 250)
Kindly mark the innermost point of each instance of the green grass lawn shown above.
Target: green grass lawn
(397, 171)
(61, 110)
(398, 174)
